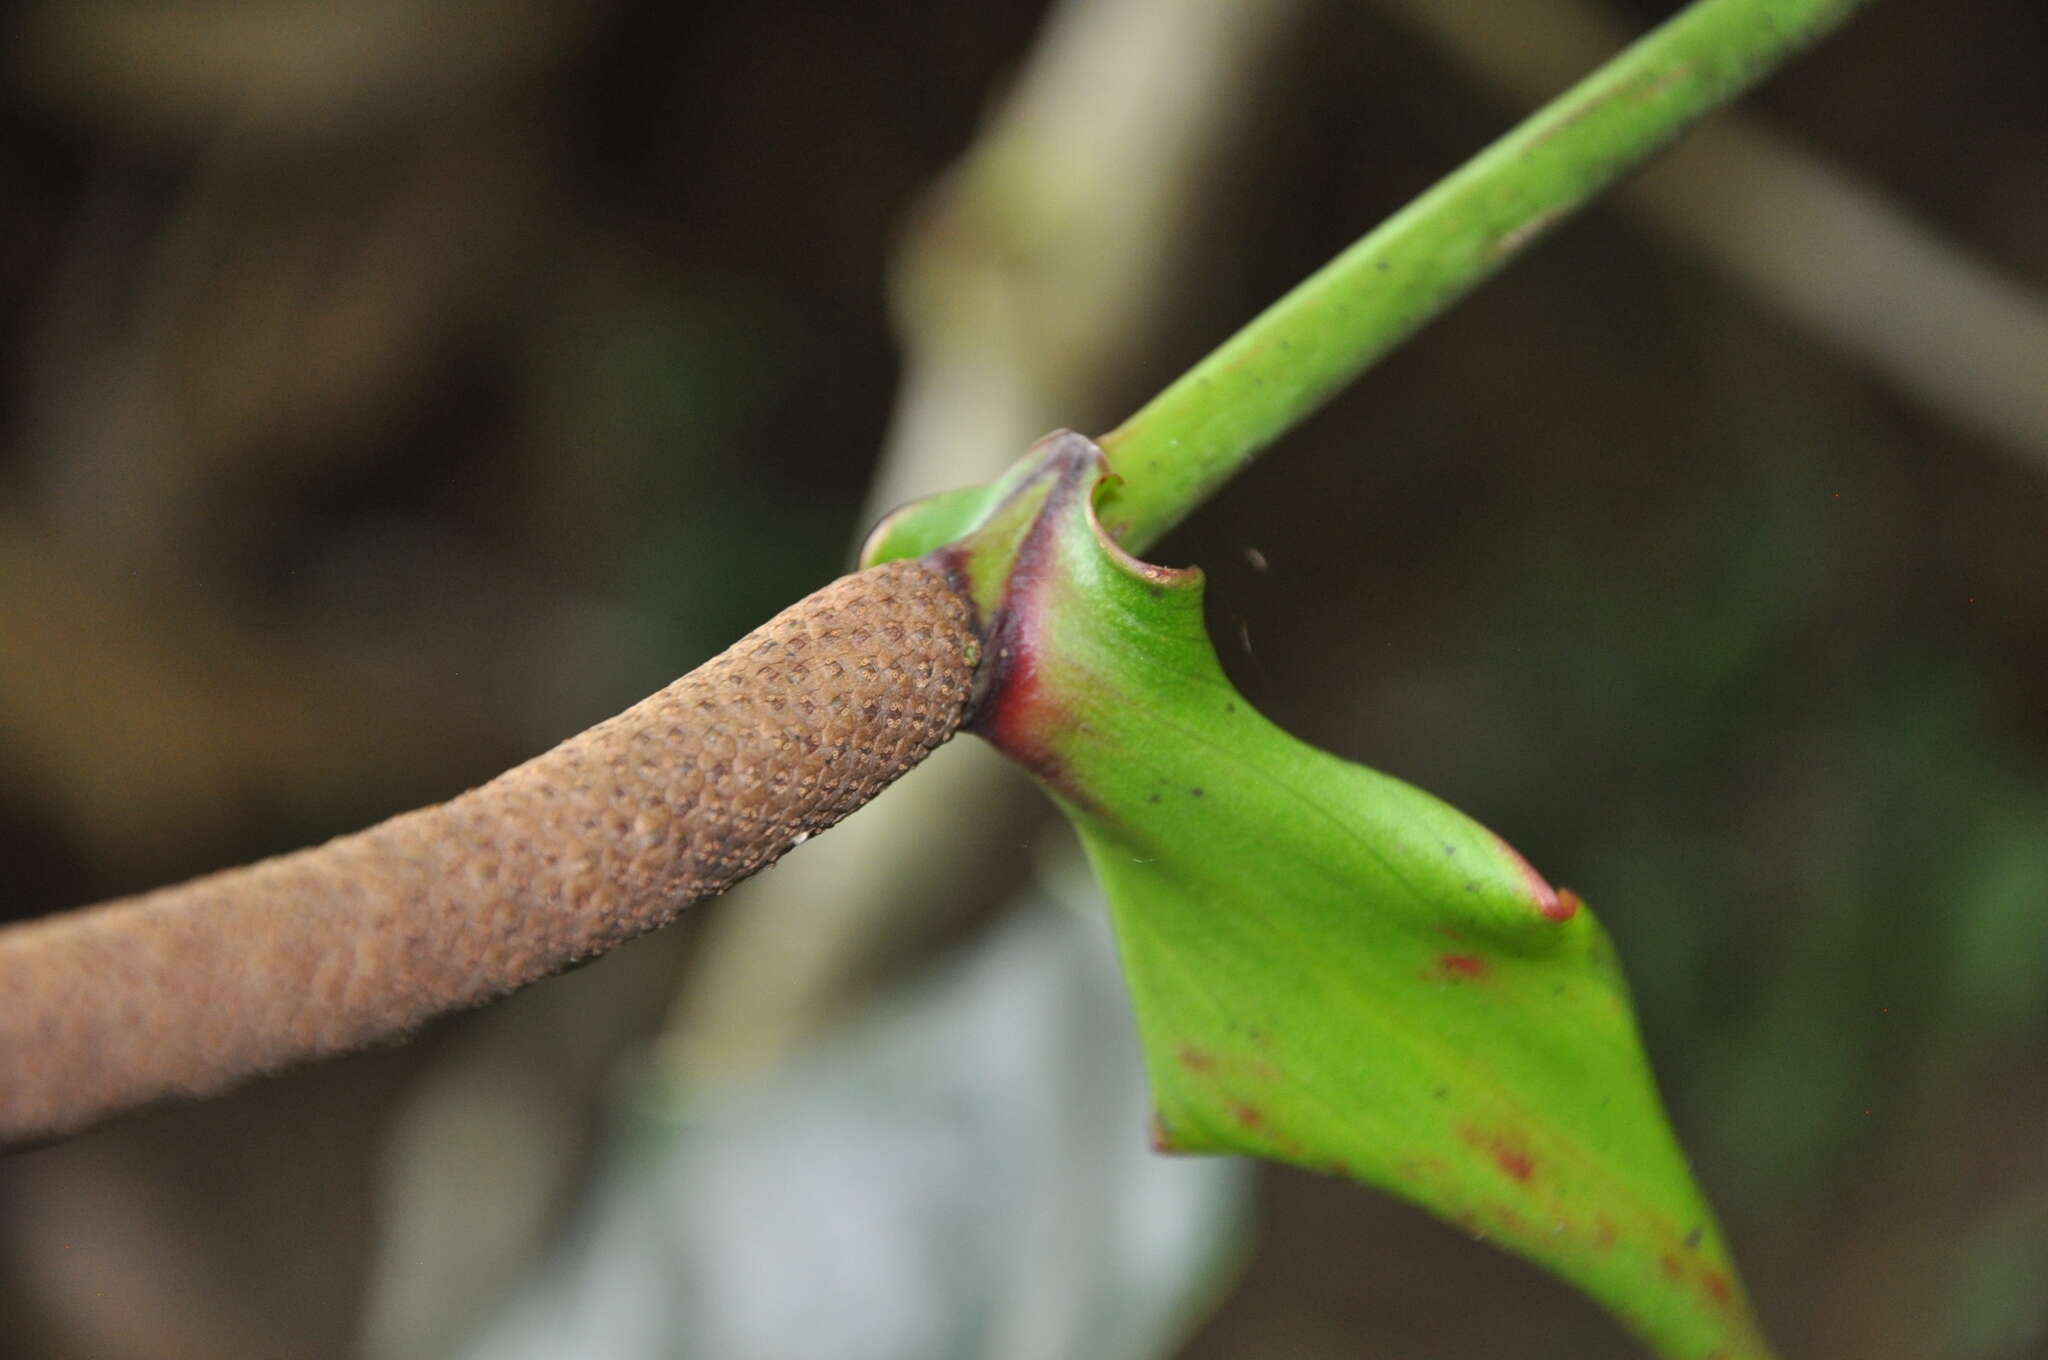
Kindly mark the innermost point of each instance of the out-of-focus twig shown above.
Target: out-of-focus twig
(293, 68)
(1806, 235)
(1284, 364)
(1037, 270)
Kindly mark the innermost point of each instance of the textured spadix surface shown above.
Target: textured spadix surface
(1328, 966)
(184, 991)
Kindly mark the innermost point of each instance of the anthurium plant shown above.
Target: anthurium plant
(1329, 967)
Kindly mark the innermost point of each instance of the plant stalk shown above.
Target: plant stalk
(1210, 423)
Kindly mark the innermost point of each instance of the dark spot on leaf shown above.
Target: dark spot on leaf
(1671, 1265)
(1508, 1153)
(1194, 1059)
(1692, 1239)
(1195, 793)
(1717, 1286)
(1153, 799)
(1249, 1116)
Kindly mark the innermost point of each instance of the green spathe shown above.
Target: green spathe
(1330, 967)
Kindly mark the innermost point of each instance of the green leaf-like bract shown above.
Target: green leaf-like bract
(1330, 967)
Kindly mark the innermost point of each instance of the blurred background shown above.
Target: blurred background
(390, 389)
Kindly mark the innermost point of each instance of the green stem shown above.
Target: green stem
(1208, 425)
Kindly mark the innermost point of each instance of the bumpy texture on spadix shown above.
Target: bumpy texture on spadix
(187, 990)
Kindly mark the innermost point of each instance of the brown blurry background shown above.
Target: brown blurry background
(390, 389)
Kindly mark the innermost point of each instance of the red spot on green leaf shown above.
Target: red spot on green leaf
(1508, 1153)
(1671, 1265)
(1194, 1059)
(1717, 1286)
(1463, 966)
